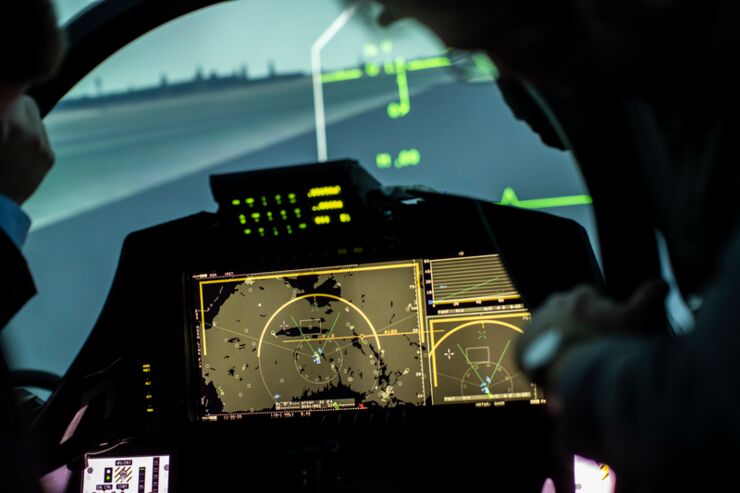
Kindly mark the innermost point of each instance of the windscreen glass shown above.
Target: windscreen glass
(253, 84)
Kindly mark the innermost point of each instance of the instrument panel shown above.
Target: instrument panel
(417, 332)
(250, 329)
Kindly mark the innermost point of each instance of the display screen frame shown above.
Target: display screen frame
(134, 461)
(349, 260)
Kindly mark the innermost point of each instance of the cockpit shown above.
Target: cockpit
(285, 248)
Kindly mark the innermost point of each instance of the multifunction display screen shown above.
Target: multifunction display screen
(419, 332)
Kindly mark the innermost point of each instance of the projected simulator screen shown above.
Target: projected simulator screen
(420, 332)
(148, 474)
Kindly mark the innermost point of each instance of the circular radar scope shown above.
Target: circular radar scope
(473, 361)
(317, 344)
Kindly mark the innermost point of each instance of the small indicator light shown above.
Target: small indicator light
(345, 218)
(247, 231)
(243, 219)
(303, 226)
(250, 202)
(236, 202)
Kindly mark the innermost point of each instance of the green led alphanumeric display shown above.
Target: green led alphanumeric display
(324, 191)
(322, 220)
(328, 205)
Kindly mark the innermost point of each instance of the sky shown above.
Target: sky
(225, 37)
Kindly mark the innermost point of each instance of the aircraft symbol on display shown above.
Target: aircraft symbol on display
(317, 356)
(485, 385)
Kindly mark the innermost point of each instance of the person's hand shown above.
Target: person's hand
(25, 154)
(584, 314)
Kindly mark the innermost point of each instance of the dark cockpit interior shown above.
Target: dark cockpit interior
(297, 254)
